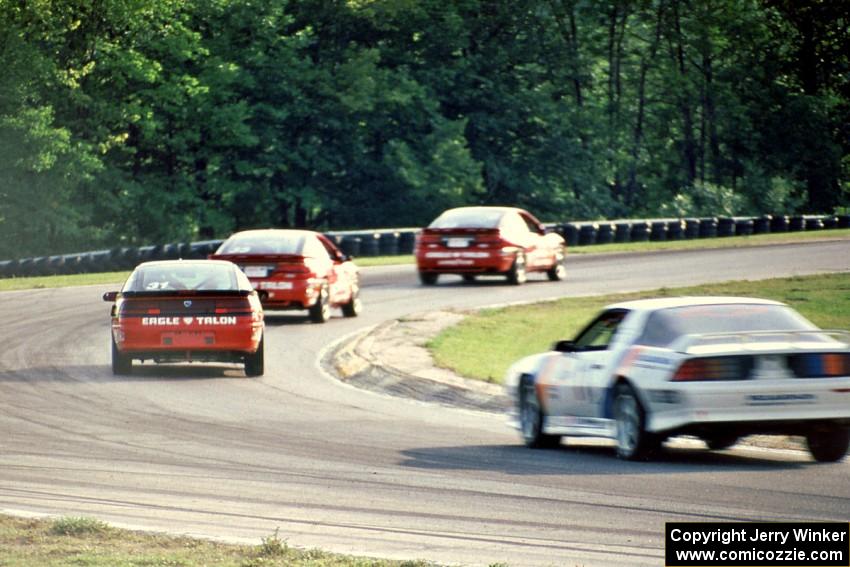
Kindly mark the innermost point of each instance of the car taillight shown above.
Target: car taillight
(423, 239)
(820, 365)
(714, 368)
(488, 241)
(298, 271)
(138, 308)
(241, 306)
(222, 307)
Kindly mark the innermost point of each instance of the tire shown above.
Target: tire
(320, 312)
(558, 271)
(721, 441)
(517, 274)
(531, 419)
(633, 441)
(828, 445)
(122, 364)
(428, 278)
(255, 362)
(354, 306)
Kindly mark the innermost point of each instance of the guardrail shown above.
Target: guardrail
(399, 241)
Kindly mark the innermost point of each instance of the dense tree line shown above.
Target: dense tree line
(161, 120)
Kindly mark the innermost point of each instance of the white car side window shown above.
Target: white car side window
(601, 332)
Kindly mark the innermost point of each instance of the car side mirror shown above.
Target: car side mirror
(564, 346)
(110, 296)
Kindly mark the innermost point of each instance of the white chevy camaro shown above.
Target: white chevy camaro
(718, 368)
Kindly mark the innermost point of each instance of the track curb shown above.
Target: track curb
(391, 358)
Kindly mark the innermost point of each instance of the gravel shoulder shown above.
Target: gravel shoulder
(391, 358)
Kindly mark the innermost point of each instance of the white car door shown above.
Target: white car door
(594, 357)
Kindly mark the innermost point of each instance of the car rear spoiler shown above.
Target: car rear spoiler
(764, 340)
(260, 257)
(460, 230)
(189, 293)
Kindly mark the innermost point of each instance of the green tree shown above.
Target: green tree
(44, 169)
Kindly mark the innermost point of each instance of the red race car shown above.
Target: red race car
(472, 241)
(296, 269)
(186, 310)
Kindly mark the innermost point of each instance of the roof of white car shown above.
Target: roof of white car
(672, 302)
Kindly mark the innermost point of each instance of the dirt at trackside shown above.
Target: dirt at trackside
(391, 358)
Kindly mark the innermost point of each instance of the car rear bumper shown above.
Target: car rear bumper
(243, 337)
(764, 427)
(190, 355)
(447, 261)
(750, 407)
(287, 293)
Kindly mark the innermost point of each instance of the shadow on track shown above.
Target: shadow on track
(283, 318)
(146, 372)
(590, 460)
(452, 281)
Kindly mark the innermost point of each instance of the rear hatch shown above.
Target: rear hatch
(261, 266)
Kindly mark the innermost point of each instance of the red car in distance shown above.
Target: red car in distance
(185, 311)
(295, 269)
(473, 241)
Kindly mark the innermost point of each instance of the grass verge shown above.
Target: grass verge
(483, 345)
(71, 542)
(713, 243)
(41, 282)
(368, 261)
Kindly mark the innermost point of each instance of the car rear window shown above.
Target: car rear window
(263, 244)
(468, 218)
(663, 327)
(179, 277)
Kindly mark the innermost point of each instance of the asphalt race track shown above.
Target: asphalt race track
(202, 450)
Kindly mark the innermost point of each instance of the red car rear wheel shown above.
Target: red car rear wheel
(354, 305)
(255, 362)
(121, 363)
(428, 278)
(320, 312)
(517, 274)
(558, 271)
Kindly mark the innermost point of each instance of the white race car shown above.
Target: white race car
(718, 368)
